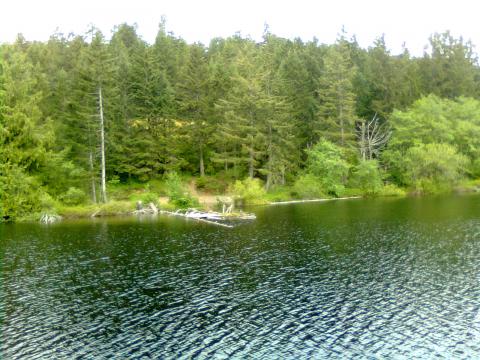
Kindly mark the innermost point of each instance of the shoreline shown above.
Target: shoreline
(312, 200)
(118, 209)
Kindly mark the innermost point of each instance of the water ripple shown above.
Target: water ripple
(309, 281)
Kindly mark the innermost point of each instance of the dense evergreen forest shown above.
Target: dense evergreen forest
(322, 120)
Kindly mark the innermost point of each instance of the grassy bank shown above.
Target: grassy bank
(204, 193)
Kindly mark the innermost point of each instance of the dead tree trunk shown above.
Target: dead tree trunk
(372, 137)
(102, 146)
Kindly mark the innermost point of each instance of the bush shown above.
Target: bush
(474, 168)
(20, 194)
(73, 196)
(177, 193)
(210, 184)
(280, 193)
(366, 177)
(249, 191)
(149, 197)
(433, 168)
(308, 186)
(326, 162)
(391, 190)
(352, 192)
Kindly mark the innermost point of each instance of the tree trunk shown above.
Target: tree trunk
(92, 174)
(341, 126)
(250, 164)
(363, 142)
(102, 147)
(268, 184)
(202, 166)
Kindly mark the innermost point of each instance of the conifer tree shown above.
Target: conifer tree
(336, 112)
(194, 101)
(25, 135)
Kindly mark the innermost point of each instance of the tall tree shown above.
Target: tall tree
(336, 113)
(97, 75)
(195, 106)
(25, 134)
(450, 69)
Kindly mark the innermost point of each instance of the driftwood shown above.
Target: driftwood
(191, 215)
(227, 204)
(150, 209)
(312, 200)
(49, 219)
(210, 217)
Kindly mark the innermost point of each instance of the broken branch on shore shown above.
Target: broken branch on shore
(210, 217)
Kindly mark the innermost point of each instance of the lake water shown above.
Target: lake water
(386, 278)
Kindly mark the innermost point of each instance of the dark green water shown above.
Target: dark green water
(345, 279)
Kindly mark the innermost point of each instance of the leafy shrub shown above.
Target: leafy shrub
(19, 193)
(115, 180)
(280, 193)
(366, 177)
(157, 186)
(210, 184)
(433, 168)
(173, 185)
(474, 168)
(149, 197)
(391, 190)
(308, 186)
(73, 196)
(351, 192)
(177, 193)
(326, 162)
(249, 191)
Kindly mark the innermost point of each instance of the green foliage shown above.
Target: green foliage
(366, 176)
(73, 196)
(435, 120)
(211, 184)
(149, 197)
(337, 98)
(474, 168)
(249, 191)
(326, 162)
(434, 167)
(112, 208)
(232, 109)
(20, 194)
(308, 186)
(391, 190)
(177, 192)
(280, 193)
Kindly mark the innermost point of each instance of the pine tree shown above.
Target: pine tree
(449, 70)
(195, 106)
(25, 135)
(97, 74)
(336, 113)
(241, 113)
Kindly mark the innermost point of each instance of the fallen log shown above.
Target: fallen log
(201, 219)
(312, 200)
(210, 217)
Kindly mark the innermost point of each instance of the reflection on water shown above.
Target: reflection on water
(360, 278)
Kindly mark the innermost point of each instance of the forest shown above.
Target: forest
(83, 118)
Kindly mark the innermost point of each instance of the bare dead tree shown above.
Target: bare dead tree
(102, 145)
(372, 137)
